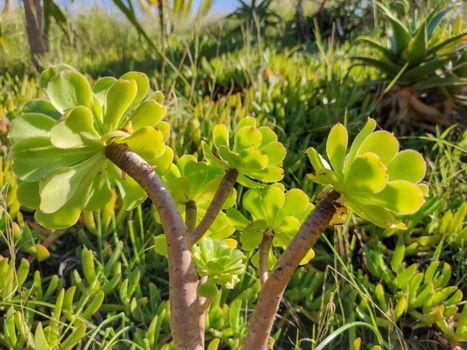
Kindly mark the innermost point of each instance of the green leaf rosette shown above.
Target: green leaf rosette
(255, 152)
(377, 181)
(220, 263)
(275, 210)
(58, 143)
(190, 180)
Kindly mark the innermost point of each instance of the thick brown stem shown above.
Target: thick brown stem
(271, 293)
(191, 214)
(186, 315)
(35, 28)
(8, 5)
(222, 193)
(264, 249)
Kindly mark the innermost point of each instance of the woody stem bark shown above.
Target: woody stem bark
(222, 193)
(272, 290)
(191, 212)
(186, 314)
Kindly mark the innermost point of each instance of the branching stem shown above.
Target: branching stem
(186, 316)
(271, 292)
(191, 213)
(215, 207)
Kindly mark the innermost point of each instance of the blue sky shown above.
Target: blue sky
(219, 6)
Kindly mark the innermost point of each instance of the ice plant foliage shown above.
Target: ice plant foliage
(377, 181)
(58, 144)
(72, 148)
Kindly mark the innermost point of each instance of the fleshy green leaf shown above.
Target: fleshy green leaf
(407, 165)
(28, 194)
(400, 35)
(163, 163)
(248, 136)
(234, 160)
(267, 135)
(118, 99)
(275, 151)
(416, 49)
(220, 136)
(101, 86)
(149, 113)
(361, 136)
(253, 160)
(252, 202)
(273, 199)
(69, 89)
(160, 245)
(76, 130)
(101, 192)
(51, 72)
(247, 121)
(318, 162)
(42, 107)
(142, 84)
(374, 213)
(381, 143)
(310, 255)
(36, 157)
(207, 289)
(400, 196)
(269, 174)
(296, 202)
(366, 174)
(336, 147)
(63, 184)
(30, 125)
(148, 142)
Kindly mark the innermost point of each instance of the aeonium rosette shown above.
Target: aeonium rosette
(58, 143)
(192, 181)
(255, 152)
(273, 212)
(376, 181)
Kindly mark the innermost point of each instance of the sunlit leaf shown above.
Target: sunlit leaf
(336, 147)
(366, 174)
(381, 143)
(69, 89)
(407, 165)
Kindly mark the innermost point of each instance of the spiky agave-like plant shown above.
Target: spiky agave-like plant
(424, 56)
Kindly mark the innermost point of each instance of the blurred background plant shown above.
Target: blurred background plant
(424, 55)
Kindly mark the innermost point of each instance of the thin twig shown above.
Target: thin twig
(222, 193)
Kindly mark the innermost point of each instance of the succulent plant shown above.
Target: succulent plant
(255, 153)
(58, 144)
(376, 181)
(271, 208)
(419, 48)
(219, 262)
(197, 182)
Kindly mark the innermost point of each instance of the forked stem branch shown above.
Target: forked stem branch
(272, 290)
